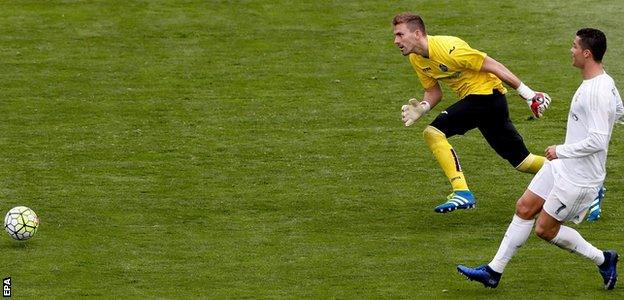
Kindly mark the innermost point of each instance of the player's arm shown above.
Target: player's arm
(598, 127)
(619, 111)
(491, 65)
(433, 95)
(538, 102)
(415, 109)
(593, 143)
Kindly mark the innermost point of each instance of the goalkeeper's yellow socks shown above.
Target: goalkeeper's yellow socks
(446, 157)
(531, 164)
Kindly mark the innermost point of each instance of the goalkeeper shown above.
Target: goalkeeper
(478, 81)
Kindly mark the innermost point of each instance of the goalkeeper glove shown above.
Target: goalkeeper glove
(413, 111)
(538, 102)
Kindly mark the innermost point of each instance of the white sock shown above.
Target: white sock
(571, 240)
(517, 233)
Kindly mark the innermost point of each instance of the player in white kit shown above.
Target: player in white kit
(565, 186)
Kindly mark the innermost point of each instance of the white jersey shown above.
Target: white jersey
(595, 108)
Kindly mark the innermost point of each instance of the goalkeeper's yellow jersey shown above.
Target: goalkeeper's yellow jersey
(451, 60)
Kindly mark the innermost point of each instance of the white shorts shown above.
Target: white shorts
(565, 201)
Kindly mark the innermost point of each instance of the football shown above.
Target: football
(21, 223)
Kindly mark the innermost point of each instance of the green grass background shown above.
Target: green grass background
(254, 149)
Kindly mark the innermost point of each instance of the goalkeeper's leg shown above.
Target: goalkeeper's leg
(446, 157)
(461, 198)
(503, 137)
(531, 164)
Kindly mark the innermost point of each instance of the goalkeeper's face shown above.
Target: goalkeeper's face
(405, 39)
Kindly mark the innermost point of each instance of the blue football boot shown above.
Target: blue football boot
(608, 269)
(594, 208)
(483, 274)
(460, 199)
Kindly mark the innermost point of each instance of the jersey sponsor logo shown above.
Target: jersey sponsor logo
(452, 76)
(452, 49)
(427, 69)
(443, 68)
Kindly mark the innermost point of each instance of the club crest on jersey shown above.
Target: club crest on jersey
(443, 68)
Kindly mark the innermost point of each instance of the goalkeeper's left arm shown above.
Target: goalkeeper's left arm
(538, 102)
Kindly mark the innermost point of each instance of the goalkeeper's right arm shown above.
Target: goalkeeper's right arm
(415, 109)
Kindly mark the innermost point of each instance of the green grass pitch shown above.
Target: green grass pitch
(254, 149)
